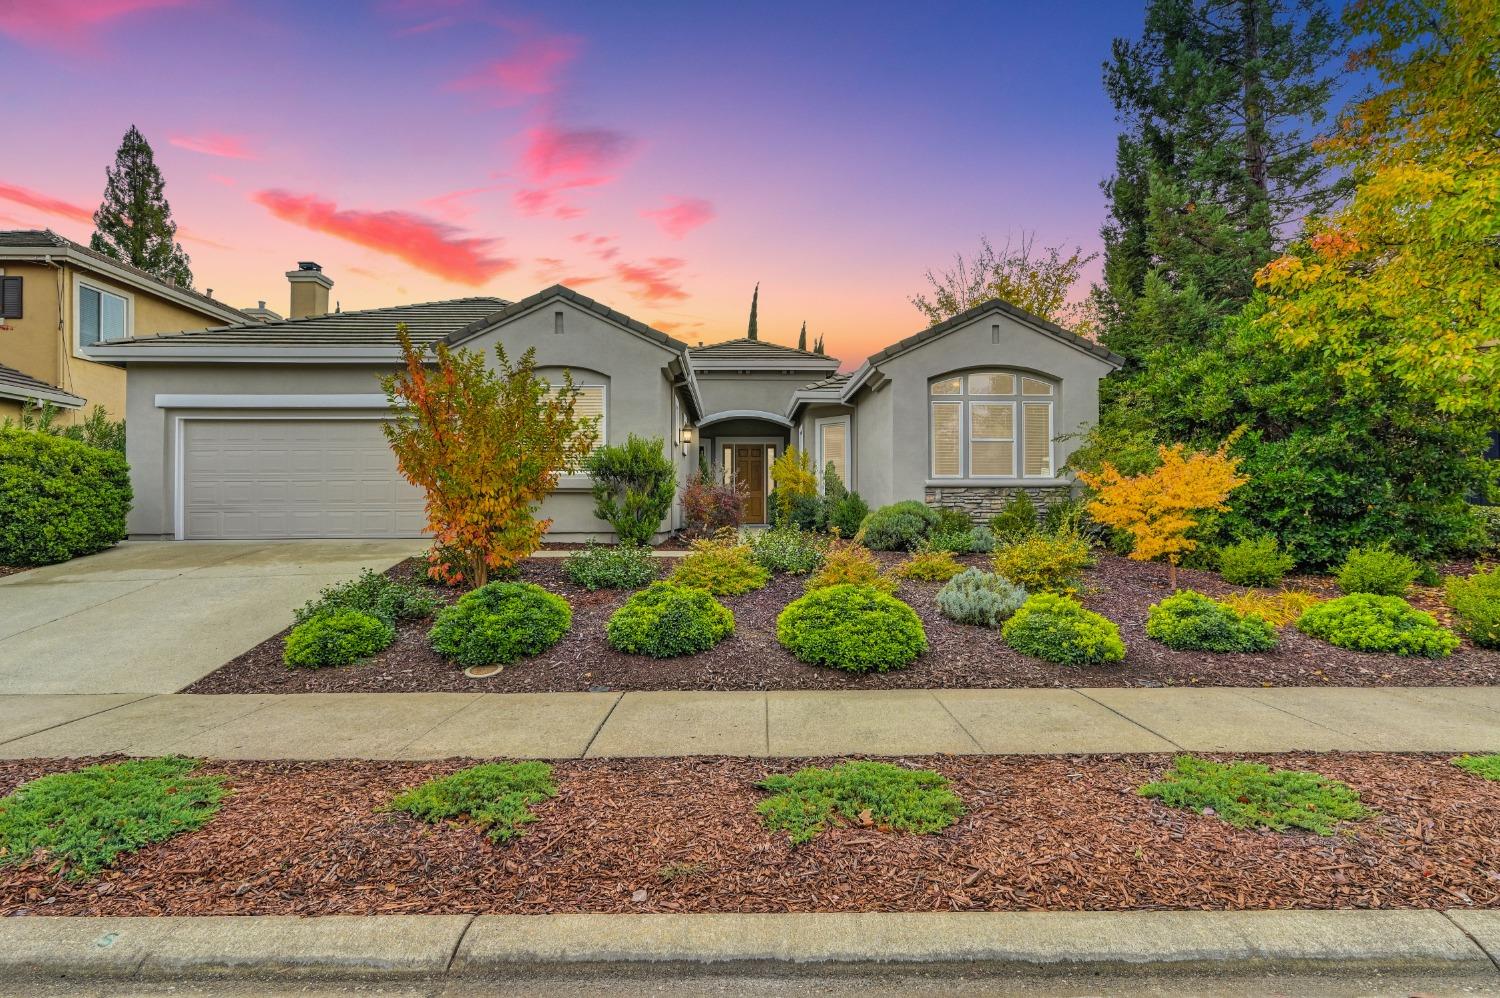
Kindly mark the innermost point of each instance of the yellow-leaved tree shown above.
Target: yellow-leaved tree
(1158, 508)
(792, 472)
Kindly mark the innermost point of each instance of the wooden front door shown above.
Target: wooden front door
(750, 476)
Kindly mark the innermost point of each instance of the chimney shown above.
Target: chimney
(309, 290)
(261, 314)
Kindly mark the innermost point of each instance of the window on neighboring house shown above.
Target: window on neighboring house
(833, 448)
(102, 316)
(991, 424)
(10, 297)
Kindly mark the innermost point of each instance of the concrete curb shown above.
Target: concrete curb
(441, 946)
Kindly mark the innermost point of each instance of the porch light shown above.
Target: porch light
(687, 438)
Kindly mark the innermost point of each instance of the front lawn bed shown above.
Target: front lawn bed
(958, 655)
(684, 835)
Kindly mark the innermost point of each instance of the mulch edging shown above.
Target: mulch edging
(681, 835)
(958, 657)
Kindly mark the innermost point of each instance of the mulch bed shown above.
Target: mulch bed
(681, 835)
(12, 570)
(959, 656)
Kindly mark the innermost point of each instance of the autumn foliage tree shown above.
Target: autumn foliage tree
(1157, 508)
(486, 446)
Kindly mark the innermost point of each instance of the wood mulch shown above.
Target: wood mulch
(959, 656)
(12, 570)
(681, 835)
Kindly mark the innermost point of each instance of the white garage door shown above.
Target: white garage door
(294, 478)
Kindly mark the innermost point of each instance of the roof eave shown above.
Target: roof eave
(56, 396)
(764, 365)
(229, 313)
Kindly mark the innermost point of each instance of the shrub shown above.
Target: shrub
(722, 565)
(78, 823)
(1487, 766)
(1252, 795)
(875, 794)
(1258, 562)
(856, 628)
(336, 637)
(710, 504)
(1277, 609)
(1016, 519)
(972, 540)
(788, 549)
(1044, 562)
(898, 527)
(1365, 622)
(1485, 529)
(440, 566)
(1379, 571)
(1071, 516)
(849, 564)
(499, 623)
(1476, 607)
(1058, 629)
(981, 598)
(495, 797)
(373, 593)
(634, 484)
(929, 566)
(597, 566)
(844, 514)
(796, 488)
(665, 620)
(59, 498)
(950, 520)
(802, 512)
(1190, 621)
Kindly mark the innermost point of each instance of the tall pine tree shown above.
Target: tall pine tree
(134, 222)
(802, 336)
(754, 330)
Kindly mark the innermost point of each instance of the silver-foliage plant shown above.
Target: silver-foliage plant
(981, 598)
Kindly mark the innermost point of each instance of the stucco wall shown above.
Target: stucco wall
(760, 391)
(805, 437)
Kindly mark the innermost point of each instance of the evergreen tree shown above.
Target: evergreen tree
(754, 331)
(818, 346)
(802, 336)
(134, 222)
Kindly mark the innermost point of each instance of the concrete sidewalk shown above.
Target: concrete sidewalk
(771, 724)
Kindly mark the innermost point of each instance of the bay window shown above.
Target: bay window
(991, 424)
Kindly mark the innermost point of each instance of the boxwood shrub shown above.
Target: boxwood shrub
(1476, 606)
(499, 623)
(665, 620)
(1378, 570)
(336, 637)
(1058, 629)
(1257, 562)
(980, 598)
(1366, 622)
(856, 628)
(898, 527)
(373, 593)
(59, 498)
(1190, 621)
(628, 566)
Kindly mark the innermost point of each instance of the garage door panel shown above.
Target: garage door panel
(294, 478)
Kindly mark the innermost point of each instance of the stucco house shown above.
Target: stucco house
(58, 298)
(272, 429)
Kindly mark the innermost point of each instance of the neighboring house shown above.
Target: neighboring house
(273, 429)
(58, 298)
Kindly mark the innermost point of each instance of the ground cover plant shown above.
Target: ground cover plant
(1189, 620)
(499, 623)
(336, 637)
(850, 564)
(634, 484)
(788, 549)
(901, 526)
(870, 794)
(1044, 562)
(373, 593)
(1487, 766)
(496, 798)
(666, 619)
(1364, 622)
(600, 566)
(1257, 562)
(1057, 628)
(59, 498)
(722, 565)
(1476, 606)
(1276, 608)
(979, 598)
(928, 566)
(1252, 795)
(79, 823)
(855, 628)
(1378, 570)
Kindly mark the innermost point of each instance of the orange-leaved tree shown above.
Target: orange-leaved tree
(1157, 508)
(486, 446)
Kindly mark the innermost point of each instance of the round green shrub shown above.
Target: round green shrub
(898, 527)
(1366, 622)
(59, 498)
(980, 598)
(1379, 571)
(1476, 606)
(1058, 629)
(499, 623)
(1258, 562)
(1190, 621)
(665, 620)
(336, 637)
(1017, 519)
(845, 513)
(628, 566)
(856, 628)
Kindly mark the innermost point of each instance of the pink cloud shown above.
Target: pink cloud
(214, 144)
(679, 216)
(577, 157)
(451, 206)
(653, 281)
(532, 69)
(44, 203)
(553, 270)
(69, 25)
(433, 246)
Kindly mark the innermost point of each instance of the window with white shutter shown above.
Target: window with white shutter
(947, 440)
(991, 425)
(1036, 441)
(588, 403)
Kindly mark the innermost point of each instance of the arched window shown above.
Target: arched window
(991, 424)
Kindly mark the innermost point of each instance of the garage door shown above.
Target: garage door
(254, 478)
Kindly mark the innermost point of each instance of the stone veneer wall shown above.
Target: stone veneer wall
(984, 501)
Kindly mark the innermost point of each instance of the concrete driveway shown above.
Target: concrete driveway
(152, 617)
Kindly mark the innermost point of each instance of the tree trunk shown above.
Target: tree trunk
(1172, 574)
(1255, 113)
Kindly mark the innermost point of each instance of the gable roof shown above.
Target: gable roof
(1041, 325)
(15, 385)
(584, 302)
(32, 244)
(760, 352)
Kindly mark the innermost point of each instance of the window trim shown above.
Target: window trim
(79, 284)
(1017, 400)
(821, 461)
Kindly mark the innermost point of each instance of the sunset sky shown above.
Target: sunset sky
(662, 157)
